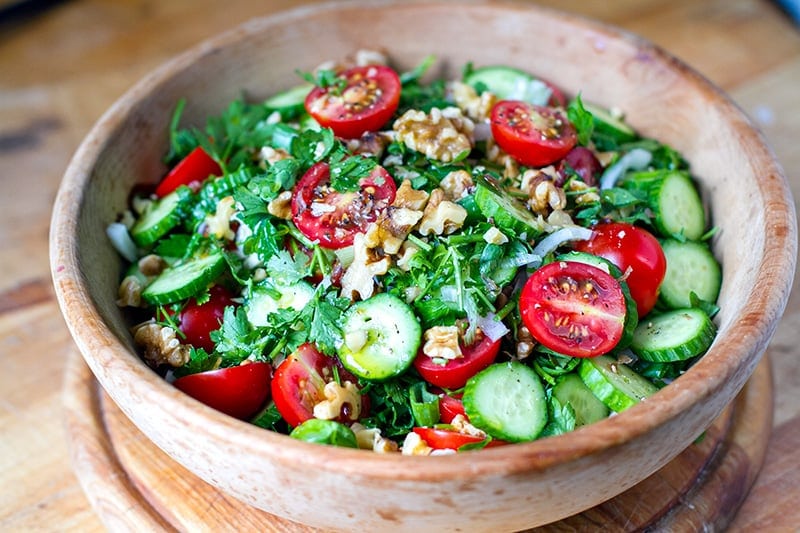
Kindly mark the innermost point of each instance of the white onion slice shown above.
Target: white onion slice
(636, 159)
(482, 131)
(122, 242)
(559, 237)
(491, 327)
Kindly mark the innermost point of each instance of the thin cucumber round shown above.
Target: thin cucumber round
(156, 222)
(381, 337)
(289, 103)
(507, 401)
(674, 199)
(184, 280)
(571, 390)
(606, 123)
(507, 212)
(263, 301)
(691, 268)
(509, 83)
(676, 335)
(614, 383)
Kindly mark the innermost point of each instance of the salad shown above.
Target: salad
(377, 261)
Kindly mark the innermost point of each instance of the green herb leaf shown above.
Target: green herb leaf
(424, 405)
(581, 119)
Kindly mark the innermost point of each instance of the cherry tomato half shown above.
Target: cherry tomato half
(450, 407)
(450, 439)
(194, 168)
(533, 135)
(198, 321)
(573, 308)
(368, 100)
(298, 384)
(332, 218)
(455, 373)
(238, 391)
(584, 163)
(636, 253)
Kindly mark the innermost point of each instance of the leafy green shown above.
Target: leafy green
(581, 119)
(424, 405)
(561, 419)
(284, 269)
(325, 79)
(199, 361)
(347, 171)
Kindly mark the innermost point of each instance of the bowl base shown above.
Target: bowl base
(133, 484)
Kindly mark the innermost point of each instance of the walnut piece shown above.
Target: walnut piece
(391, 228)
(441, 217)
(414, 445)
(130, 292)
(359, 276)
(410, 198)
(544, 195)
(590, 195)
(477, 107)
(442, 134)
(271, 155)
(219, 224)
(369, 144)
(456, 184)
(441, 342)
(371, 439)
(161, 345)
(339, 399)
(495, 154)
(152, 265)
(281, 206)
(462, 425)
(495, 236)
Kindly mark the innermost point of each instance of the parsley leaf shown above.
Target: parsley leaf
(581, 119)
(347, 171)
(285, 269)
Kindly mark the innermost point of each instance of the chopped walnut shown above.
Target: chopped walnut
(477, 107)
(588, 197)
(495, 154)
(161, 345)
(151, 265)
(441, 342)
(462, 425)
(339, 400)
(407, 196)
(359, 276)
(456, 184)
(407, 252)
(371, 439)
(414, 445)
(495, 236)
(219, 224)
(272, 155)
(281, 206)
(544, 195)
(370, 144)
(525, 342)
(366, 57)
(441, 217)
(391, 228)
(130, 292)
(442, 134)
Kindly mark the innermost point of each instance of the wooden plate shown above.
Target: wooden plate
(134, 486)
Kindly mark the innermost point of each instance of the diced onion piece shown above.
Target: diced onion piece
(122, 242)
(557, 238)
(482, 131)
(636, 159)
(491, 327)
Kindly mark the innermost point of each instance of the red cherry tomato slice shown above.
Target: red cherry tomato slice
(238, 391)
(194, 168)
(198, 321)
(450, 439)
(450, 407)
(455, 373)
(637, 253)
(557, 98)
(573, 308)
(299, 380)
(368, 100)
(332, 218)
(534, 135)
(584, 163)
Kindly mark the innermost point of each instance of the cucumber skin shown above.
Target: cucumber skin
(506, 212)
(490, 422)
(147, 231)
(685, 260)
(654, 183)
(616, 397)
(155, 294)
(589, 409)
(643, 339)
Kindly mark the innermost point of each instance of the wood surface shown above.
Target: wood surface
(61, 69)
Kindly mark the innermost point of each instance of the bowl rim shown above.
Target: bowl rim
(754, 329)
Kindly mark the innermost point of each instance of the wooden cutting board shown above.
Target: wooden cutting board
(134, 486)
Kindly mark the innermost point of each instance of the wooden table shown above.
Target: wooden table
(61, 68)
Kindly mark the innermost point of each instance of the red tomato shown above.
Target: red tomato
(455, 373)
(573, 308)
(556, 97)
(238, 391)
(584, 163)
(636, 253)
(333, 218)
(366, 103)
(198, 321)
(450, 407)
(449, 439)
(299, 382)
(534, 135)
(194, 168)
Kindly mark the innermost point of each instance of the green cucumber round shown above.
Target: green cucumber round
(571, 390)
(608, 125)
(381, 337)
(508, 83)
(614, 383)
(263, 301)
(691, 268)
(162, 216)
(676, 335)
(187, 279)
(507, 212)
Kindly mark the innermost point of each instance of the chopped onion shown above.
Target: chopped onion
(122, 242)
(491, 327)
(449, 293)
(521, 260)
(482, 131)
(636, 159)
(559, 237)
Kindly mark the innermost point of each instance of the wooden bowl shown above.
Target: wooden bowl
(512, 487)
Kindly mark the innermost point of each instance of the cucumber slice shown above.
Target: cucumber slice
(156, 221)
(184, 280)
(507, 212)
(509, 83)
(614, 383)
(507, 401)
(608, 125)
(674, 200)
(381, 337)
(264, 300)
(571, 390)
(289, 103)
(673, 336)
(691, 268)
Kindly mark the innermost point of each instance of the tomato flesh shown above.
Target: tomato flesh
(298, 384)
(455, 373)
(637, 253)
(198, 321)
(368, 100)
(446, 439)
(192, 170)
(573, 308)
(238, 391)
(332, 218)
(534, 135)
(450, 407)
